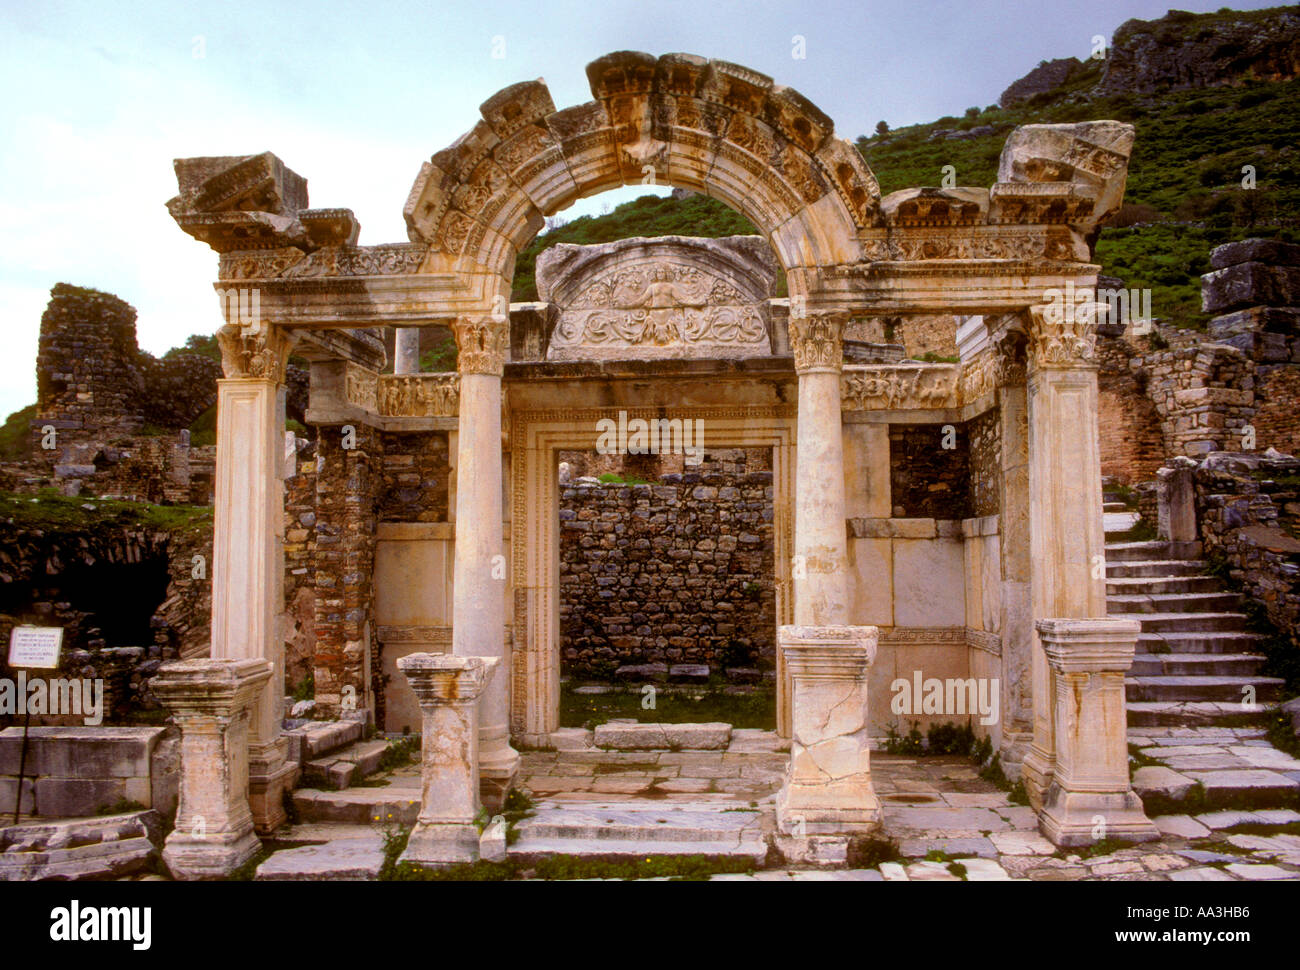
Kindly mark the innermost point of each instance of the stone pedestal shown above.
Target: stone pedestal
(211, 701)
(1176, 509)
(448, 690)
(828, 785)
(478, 608)
(1089, 798)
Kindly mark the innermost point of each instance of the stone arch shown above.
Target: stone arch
(709, 126)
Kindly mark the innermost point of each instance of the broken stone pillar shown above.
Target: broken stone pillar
(248, 554)
(1176, 509)
(448, 689)
(406, 350)
(1067, 550)
(212, 702)
(828, 783)
(1090, 798)
(478, 605)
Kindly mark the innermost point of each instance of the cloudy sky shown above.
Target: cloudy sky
(100, 97)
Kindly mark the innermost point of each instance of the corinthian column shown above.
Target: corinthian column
(1067, 548)
(820, 543)
(478, 610)
(247, 549)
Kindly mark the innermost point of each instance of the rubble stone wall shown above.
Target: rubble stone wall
(681, 571)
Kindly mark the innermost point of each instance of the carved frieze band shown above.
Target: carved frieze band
(402, 395)
(899, 387)
(817, 339)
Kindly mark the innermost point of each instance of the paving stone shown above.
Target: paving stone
(919, 848)
(1063, 874)
(984, 870)
(1266, 757)
(893, 872)
(1158, 780)
(1115, 868)
(1256, 873)
(1021, 843)
(1206, 856)
(1162, 863)
(1227, 818)
(338, 860)
(1180, 826)
(944, 819)
(1200, 874)
(975, 799)
(1020, 816)
(931, 872)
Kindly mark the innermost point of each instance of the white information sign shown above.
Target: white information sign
(35, 646)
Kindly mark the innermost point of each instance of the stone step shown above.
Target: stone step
(623, 734)
(1172, 603)
(1195, 641)
(1259, 787)
(1193, 713)
(1161, 585)
(392, 804)
(629, 830)
(1138, 551)
(346, 766)
(1114, 507)
(346, 853)
(315, 739)
(1226, 690)
(1191, 622)
(1196, 664)
(1154, 567)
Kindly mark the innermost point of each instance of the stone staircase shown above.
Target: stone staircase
(1195, 657)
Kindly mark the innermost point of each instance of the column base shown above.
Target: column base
(266, 795)
(496, 776)
(1015, 749)
(215, 856)
(1084, 818)
(1036, 772)
(838, 808)
(441, 844)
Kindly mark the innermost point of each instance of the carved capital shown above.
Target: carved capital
(481, 344)
(817, 339)
(1064, 334)
(257, 351)
(1010, 361)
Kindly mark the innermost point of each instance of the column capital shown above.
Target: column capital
(259, 350)
(817, 339)
(1085, 646)
(1010, 360)
(1063, 335)
(441, 678)
(481, 343)
(207, 687)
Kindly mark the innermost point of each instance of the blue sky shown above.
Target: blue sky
(100, 97)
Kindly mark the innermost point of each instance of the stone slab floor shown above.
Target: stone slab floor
(931, 805)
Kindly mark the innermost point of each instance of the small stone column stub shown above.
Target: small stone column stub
(1090, 797)
(448, 689)
(211, 701)
(478, 607)
(828, 787)
(248, 551)
(1067, 547)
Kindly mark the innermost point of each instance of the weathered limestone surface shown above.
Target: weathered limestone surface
(1090, 797)
(211, 701)
(448, 689)
(828, 788)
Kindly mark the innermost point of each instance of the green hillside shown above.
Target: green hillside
(1184, 194)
